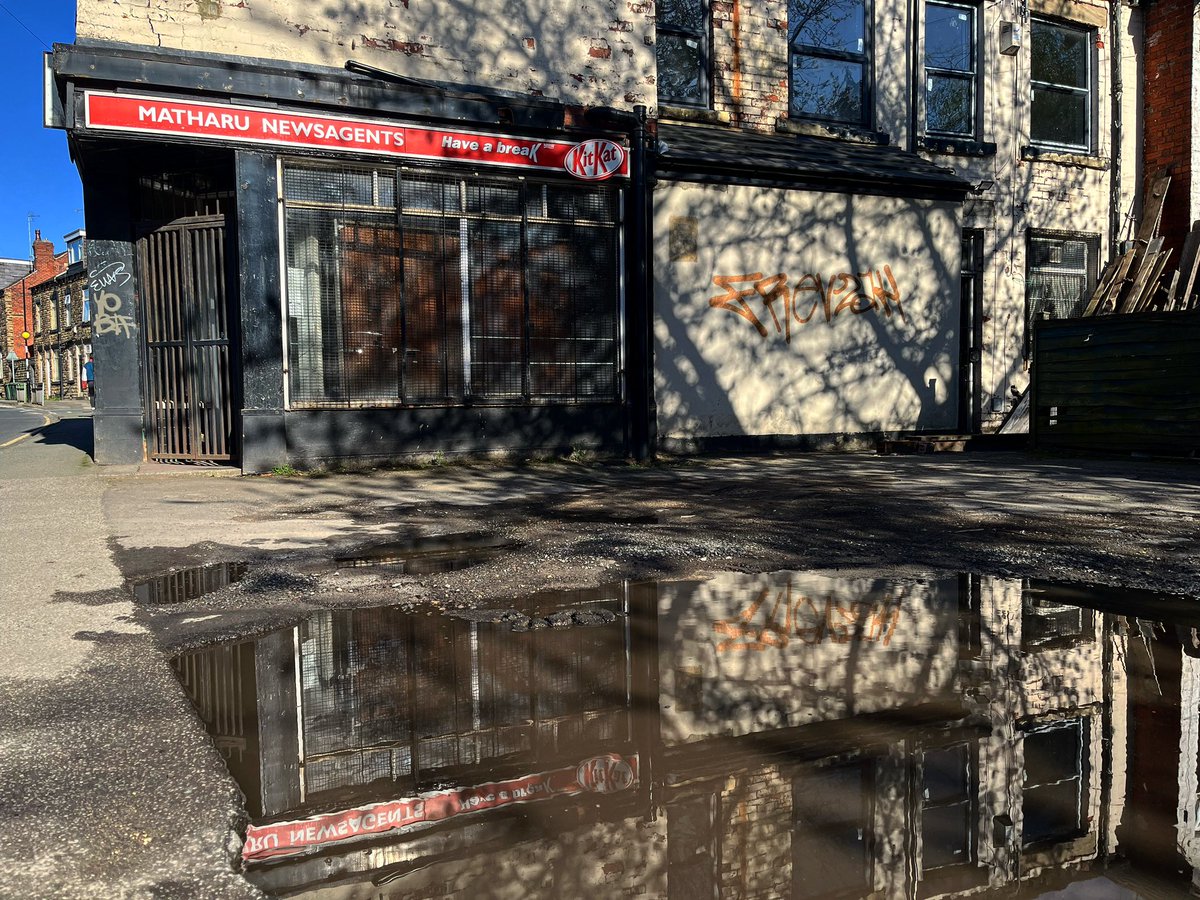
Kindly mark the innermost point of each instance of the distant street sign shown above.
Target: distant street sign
(12, 356)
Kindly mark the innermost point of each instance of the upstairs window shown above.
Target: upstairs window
(951, 71)
(947, 808)
(830, 61)
(682, 49)
(87, 305)
(1063, 79)
(1056, 790)
(67, 312)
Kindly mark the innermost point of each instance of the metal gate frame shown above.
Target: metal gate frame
(189, 349)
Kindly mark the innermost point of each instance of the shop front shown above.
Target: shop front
(310, 268)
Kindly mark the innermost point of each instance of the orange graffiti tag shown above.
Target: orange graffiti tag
(859, 292)
(808, 620)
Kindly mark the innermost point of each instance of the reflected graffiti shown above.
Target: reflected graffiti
(874, 291)
(791, 615)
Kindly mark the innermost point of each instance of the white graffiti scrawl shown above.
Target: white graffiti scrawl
(109, 319)
(112, 274)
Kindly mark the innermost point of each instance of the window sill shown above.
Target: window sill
(955, 146)
(833, 132)
(694, 114)
(1079, 160)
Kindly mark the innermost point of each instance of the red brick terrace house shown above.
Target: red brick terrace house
(1172, 109)
(17, 301)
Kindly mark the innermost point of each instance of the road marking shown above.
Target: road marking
(17, 440)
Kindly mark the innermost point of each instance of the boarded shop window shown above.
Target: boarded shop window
(830, 70)
(951, 73)
(1055, 796)
(682, 50)
(413, 287)
(1060, 275)
(1061, 70)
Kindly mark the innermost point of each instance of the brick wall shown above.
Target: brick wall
(1169, 37)
(590, 52)
(64, 338)
(756, 834)
(750, 61)
(17, 298)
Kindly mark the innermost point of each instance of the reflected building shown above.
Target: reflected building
(791, 734)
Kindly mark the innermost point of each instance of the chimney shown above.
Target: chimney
(43, 253)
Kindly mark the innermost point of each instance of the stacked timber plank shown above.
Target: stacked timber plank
(1139, 279)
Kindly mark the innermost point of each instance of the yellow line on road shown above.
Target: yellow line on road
(17, 440)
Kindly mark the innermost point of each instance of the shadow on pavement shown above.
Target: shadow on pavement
(75, 433)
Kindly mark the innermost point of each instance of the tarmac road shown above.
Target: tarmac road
(16, 422)
(109, 786)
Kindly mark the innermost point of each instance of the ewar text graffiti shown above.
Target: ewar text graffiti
(774, 622)
(754, 296)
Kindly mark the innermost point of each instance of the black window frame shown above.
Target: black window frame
(1035, 309)
(972, 76)
(593, 210)
(703, 37)
(1081, 777)
(1088, 92)
(864, 59)
(967, 872)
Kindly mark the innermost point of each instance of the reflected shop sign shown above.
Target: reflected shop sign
(606, 774)
(591, 160)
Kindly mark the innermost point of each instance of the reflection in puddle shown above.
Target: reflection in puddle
(188, 584)
(788, 734)
(430, 555)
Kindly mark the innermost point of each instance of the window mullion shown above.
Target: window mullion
(527, 325)
(402, 277)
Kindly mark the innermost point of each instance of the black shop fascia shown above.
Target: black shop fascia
(307, 266)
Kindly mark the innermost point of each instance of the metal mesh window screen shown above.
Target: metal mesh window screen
(356, 721)
(343, 287)
(472, 289)
(497, 305)
(572, 341)
(1060, 275)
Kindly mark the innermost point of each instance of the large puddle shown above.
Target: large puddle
(780, 735)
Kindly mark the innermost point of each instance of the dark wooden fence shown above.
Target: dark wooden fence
(1117, 384)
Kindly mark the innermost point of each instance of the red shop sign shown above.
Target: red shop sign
(606, 774)
(133, 114)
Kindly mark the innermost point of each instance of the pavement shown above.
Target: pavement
(109, 786)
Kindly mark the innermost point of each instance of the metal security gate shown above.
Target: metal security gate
(185, 300)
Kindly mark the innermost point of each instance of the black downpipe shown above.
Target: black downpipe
(1116, 221)
(639, 310)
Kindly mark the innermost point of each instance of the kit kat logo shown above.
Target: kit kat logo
(595, 160)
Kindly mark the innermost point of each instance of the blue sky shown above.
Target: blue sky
(37, 173)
